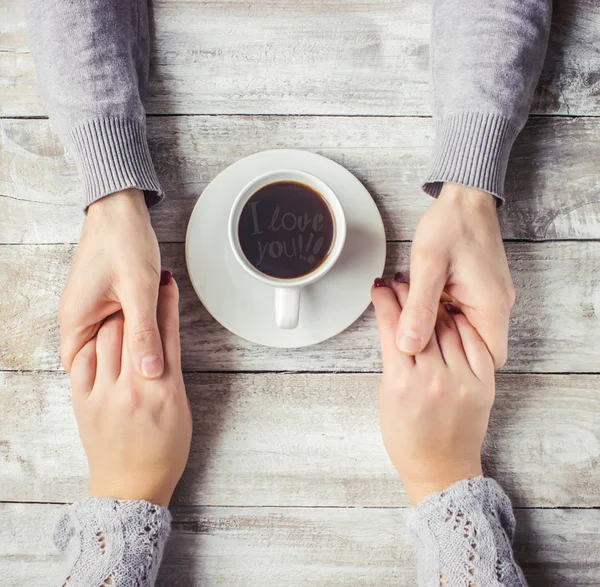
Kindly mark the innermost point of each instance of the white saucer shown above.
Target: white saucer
(246, 306)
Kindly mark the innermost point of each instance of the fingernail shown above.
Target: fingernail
(400, 277)
(409, 341)
(151, 366)
(379, 282)
(165, 277)
(451, 309)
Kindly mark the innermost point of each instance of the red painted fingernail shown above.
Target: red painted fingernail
(451, 309)
(379, 282)
(400, 277)
(165, 277)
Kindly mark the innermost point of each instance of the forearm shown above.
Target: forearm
(463, 536)
(92, 59)
(113, 542)
(486, 58)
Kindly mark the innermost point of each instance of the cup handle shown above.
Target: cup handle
(287, 307)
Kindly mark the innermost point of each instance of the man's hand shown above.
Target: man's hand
(458, 249)
(116, 267)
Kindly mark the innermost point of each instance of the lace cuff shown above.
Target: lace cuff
(463, 537)
(117, 543)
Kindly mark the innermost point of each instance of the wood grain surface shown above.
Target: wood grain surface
(554, 326)
(305, 57)
(552, 186)
(324, 547)
(310, 440)
(288, 482)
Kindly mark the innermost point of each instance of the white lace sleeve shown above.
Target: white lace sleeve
(113, 543)
(463, 537)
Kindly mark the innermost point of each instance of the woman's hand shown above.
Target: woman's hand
(116, 267)
(136, 432)
(434, 407)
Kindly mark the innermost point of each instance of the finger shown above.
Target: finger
(387, 313)
(109, 348)
(127, 366)
(449, 338)
(400, 288)
(72, 342)
(417, 322)
(142, 335)
(80, 317)
(431, 355)
(168, 323)
(492, 326)
(476, 351)
(83, 371)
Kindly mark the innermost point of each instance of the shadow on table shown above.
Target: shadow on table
(527, 546)
(499, 463)
(210, 398)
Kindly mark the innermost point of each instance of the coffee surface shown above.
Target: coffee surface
(286, 230)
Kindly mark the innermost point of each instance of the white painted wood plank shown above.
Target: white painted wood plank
(554, 327)
(309, 440)
(359, 547)
(290, 57)
(297, 547)
(552, 186)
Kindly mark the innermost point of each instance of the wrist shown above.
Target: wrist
(130, 201)
(156, 499)
(468, 198)
(126, 491)
(418, 489)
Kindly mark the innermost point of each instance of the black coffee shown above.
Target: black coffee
(286, 230)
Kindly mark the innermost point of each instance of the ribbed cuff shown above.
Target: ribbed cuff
(112, 154)
(472, 149)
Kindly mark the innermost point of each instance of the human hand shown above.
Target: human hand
(116, 267)
(136, 432)
(458, 249)
(434, 407)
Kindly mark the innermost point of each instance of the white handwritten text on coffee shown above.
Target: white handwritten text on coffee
(305, 245)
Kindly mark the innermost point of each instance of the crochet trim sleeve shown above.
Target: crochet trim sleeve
(113, 543)
(463, 537)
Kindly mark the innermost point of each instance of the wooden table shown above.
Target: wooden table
(288, 482)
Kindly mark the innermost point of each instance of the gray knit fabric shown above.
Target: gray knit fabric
(113, 543)
(463, 537)
(92, 65)
(92, 59)
(486, 57)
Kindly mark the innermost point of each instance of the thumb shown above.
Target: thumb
(142, 335)
(419, 314)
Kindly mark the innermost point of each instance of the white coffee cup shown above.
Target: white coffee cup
(287, 291)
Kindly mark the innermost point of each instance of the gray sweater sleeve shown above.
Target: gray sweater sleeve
(112, 542)
(486, 57)
(463, 536)
(92, 60)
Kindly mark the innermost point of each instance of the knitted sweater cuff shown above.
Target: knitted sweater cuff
(464, 534)
(112, 155)
(472, 149)
(113, 542)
